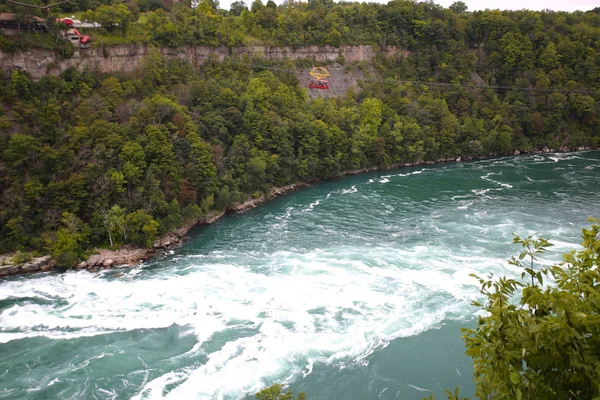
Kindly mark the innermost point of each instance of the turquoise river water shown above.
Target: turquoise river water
(352, 289)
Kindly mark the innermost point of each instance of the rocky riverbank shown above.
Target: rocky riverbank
(132, 255)
(37, 264)
(127, 255)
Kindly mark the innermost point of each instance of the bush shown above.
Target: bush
(66, 246)
(21, 257)
(7, 45)
(275, 392)
(545, 344)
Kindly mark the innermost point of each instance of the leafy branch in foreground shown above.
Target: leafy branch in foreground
(275, 392)
(546, 345)
(532, 247)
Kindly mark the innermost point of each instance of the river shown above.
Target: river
(349, 290)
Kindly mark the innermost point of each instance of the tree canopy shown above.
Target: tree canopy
(133, 155)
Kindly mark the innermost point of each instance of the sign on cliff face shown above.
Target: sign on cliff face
(341, 80)
(320, 76)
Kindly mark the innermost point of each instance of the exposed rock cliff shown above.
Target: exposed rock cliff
(128, 58)
(39, 63)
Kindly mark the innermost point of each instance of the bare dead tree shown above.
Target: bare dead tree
(44, 7)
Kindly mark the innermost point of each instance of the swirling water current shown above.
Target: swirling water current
(352, 289)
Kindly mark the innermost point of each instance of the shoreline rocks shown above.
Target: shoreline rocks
(130, 255)
(274, 192)
(38, 264)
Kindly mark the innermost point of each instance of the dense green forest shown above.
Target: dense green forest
(91, 160)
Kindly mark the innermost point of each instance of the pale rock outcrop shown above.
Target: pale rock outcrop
(128, 58)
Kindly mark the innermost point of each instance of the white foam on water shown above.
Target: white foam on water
(420, 389)
(410, 173)
(108, 394)
(154, 389)
(554, 158)
(288, 214)
(312, 206)
(466, 205)
(537, 158)
(486, 177)
(454, 198)
(309, 368)
(333, 306)
(353, 189)
(95, 305)
(483, 192)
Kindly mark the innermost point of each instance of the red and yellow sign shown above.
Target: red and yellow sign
(320, 73)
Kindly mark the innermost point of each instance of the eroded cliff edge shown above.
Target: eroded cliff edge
(128, 58)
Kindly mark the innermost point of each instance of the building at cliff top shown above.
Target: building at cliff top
(82, 24)
(72, 34)
(12, 24)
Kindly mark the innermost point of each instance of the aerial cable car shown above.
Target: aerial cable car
(319, 73)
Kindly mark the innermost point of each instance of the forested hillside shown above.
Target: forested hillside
(98, 160)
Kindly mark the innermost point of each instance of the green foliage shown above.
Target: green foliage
(142, 227)
(450, 395)
(21, 257)
(173, 141)
(25, 41)
(20, 149)
(275, 392)
(115, 223)
(458, 7)
(111, 17)
(66, 245)
(541, 341)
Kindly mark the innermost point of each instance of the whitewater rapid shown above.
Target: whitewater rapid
(320, 280)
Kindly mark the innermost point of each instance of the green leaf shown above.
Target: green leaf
(515, 377)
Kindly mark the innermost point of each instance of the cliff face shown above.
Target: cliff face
(39, 63)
